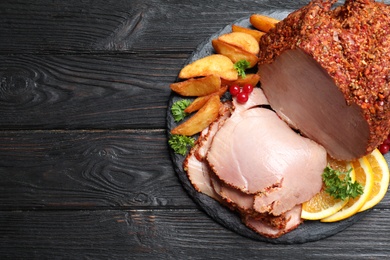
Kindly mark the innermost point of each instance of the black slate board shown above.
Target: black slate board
(309, 231)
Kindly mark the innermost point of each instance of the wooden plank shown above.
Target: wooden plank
(87, 170)
(174, 234)
(86, 91)
(65, 26)
(95, 26)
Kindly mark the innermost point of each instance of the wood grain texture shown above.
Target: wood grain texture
(84, 166)
(125, 26)
(87, 170)
(79, 91)
(90, 169)
(155, 234)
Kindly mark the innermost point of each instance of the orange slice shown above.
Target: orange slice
(363, 175)
(322, 204)
(381, 179)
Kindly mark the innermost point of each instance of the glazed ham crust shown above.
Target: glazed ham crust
(351, 44)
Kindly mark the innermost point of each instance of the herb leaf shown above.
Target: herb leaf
(339, 184)
(177, 109)
(241, 66)
(181, 143)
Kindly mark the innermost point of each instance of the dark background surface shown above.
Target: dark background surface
(85, 171)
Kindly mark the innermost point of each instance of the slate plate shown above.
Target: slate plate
(307, 232)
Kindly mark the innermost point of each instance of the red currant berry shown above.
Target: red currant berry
(387, 141)
(234, 90)
(384, 148)
(242, 97)
(248, 88)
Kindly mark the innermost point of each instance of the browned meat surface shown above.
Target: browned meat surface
(276, 226)
(238, 200)
(327, 71)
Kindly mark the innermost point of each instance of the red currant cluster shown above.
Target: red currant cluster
(385, 146)
(241, 93)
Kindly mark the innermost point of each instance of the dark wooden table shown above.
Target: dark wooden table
(84, 165)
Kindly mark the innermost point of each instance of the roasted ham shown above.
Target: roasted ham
(253, 162)
(326, 72)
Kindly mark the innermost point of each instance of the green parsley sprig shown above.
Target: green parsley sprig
(181, 143)
(340, 185)
(177, 109)
(241, 66)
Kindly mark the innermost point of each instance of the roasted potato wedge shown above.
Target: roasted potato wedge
(234, 53)
(262, 22)
(197, 86)
(241, 40)
(255, 33)
(199, 102)
(250, 78)
(201, 119)
(216, 64)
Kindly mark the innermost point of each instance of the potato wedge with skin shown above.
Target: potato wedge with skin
(262, 22)
(241, 40)
(216, 64)
(199, 102)
(255, 33)
(250, 78)
(234, 53)
(201, 119)
(198, 86)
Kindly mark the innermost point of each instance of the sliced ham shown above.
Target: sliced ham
(197, 170)
(287, 222)
(238, 200)
(204, 141)
(255, 151)
(198, 173)
(265, 224)
(326, 72)
(254, 163)
(257, 98)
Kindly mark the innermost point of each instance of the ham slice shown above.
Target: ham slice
(287, 222)
(326, 72)
(254, 163)
(235, 198)
(204, 141)
(257, 98)
(199, 174)
(198, 171)
(271, 158)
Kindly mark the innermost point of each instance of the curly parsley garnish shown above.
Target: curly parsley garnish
(181, 143)
(339, 184)
(241, 66)
(177, 109)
